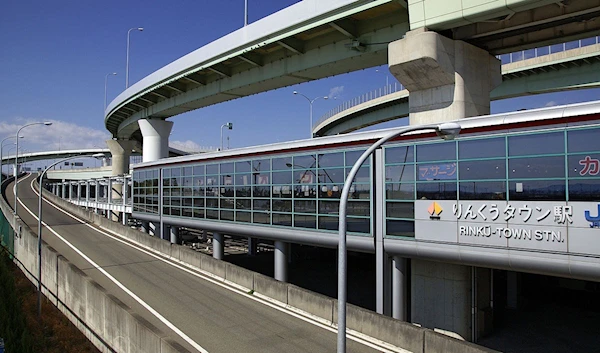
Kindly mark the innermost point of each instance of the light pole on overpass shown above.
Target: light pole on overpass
(40, 181)
(447, 131)
(228, 126)
(47, 123)
(105, 83)
(1, 155)
(127, 63)
(310, 102)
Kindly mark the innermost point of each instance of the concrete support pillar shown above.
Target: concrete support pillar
(447, 79)
(54, 189)
(252, 246)
(218, 246)
(70, 190)
(120, 151)
(78, 191)
(281, 263)
(441, 297)
(174, 234)
(399, 288)
(156, 138)
(87, 192)
(145, 227)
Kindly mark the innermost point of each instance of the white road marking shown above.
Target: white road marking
(351, 334)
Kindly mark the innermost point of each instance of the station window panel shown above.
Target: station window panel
(280, 219)
(304, 161)
(212, 192)
(305, 206)
(243, 204)
(226, 179)
(187, 192)
(358, 225)
(482, 148)
(199, 170)
(187, 201)
(166, 173)
(331, 175)
(328, 223)
(198, 192)
(188, 171)
(360, 191)
(400, 210)
(583, 140)
(536, 167)
(166, 192)
(175, 192)
(436, 151)
(305, 191)
(243, 191)
(227, 215)
(261, 191)
(227, 191)
(482, 169)
(330, 191)
(176, 211)
(227, 203)
(186, 212)
(167, 211)
(436, 191)
(243, 167)
(359, 208)
(212, 202)
(585, 165)
(282, 191)
(212, 214)
(198, 213)
(198, 202)
(353, 156)
(362, 176)
(328, 160)
(226, 168)
(537, 190)
(188, 181)
(212, 169)
(175, 201)
(243, 179)
(282, 205)
(261, 218)
(329, 207)
(304, 221)
(400, 173)
(261, 165)
(437, 171)
(584, 190)
(402, 154)
(241, 216)
(400, 228)
(305, 176)
(536, 144)
(397, 191)
(283, 163)
(482, 190)
(284, 177)
(212, 180)
(261, 204)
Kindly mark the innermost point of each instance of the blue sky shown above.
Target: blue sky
(55, 56)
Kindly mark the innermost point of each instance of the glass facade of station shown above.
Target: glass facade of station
(302, 190)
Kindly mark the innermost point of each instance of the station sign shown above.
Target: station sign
(572, 227)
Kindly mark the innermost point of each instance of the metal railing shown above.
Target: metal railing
(504, 59)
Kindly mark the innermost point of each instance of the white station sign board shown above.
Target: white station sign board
(572, 227)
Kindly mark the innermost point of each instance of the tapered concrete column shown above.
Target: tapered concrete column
(447, 79)
(156, 138)
(399, 285)
(120, 151)
(252, 242)
(218, 246)
(281, 263)
(174, 233)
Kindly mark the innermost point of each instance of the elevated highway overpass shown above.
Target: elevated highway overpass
(577, 68)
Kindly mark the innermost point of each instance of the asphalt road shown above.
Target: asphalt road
(217, 318)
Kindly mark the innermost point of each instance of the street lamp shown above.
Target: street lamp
(127, 64)
(230, 127)
(447, 131)
(1, 155)
(47, 123)
(40, 181)
(311, 101)
(105, 82)
(245, 13)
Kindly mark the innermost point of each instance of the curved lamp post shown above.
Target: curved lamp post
(447, 131)
(105, 83)
(230, 127)
(127, 64)
(47, 123)
(40, 181)
(310, 102)
(1, 155)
